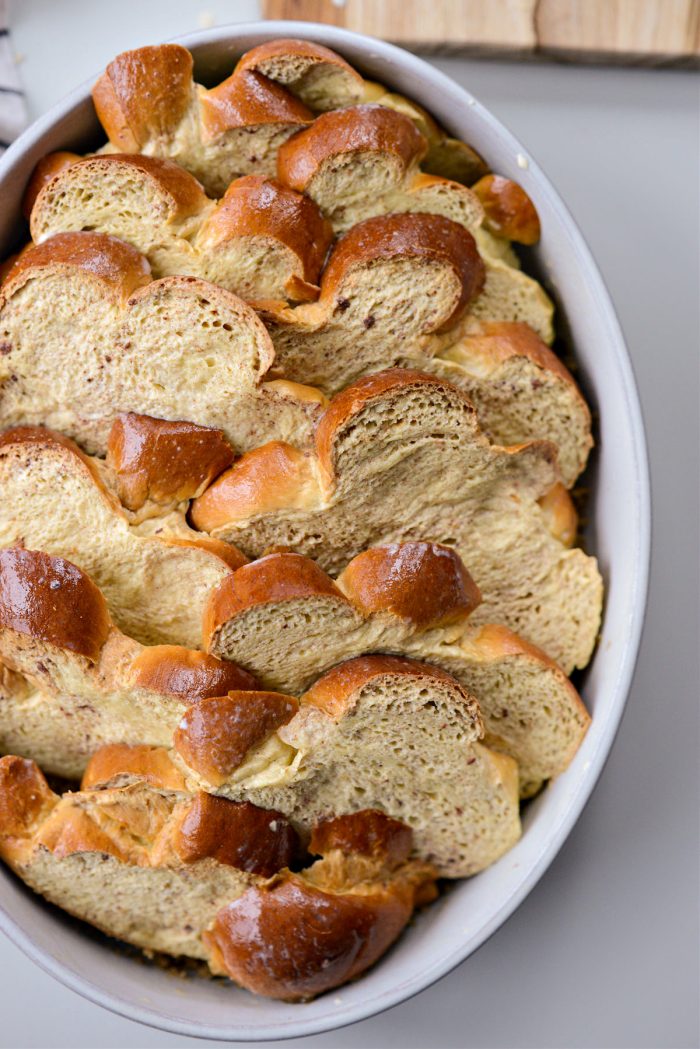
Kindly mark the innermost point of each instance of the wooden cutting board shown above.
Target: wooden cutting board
(648, 32)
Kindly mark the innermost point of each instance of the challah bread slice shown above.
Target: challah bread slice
(324, 81)
(165, 872)
(86, 335)
(394, 290)
(364, 161)
(399, 456)
(148, 102)
(261, 240)
(377, 731)
(55, 500)
(85, 682)
(146, 865)
(520, 389)
(287, 622)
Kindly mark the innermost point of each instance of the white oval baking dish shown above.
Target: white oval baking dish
(619, 534)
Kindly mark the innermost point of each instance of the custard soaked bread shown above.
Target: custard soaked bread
(392, 293)
(263, 240)
(148, 102)
(72, 680)
(55, 499)
(178, 348)
(260, 240)
(399, 456)
(204, 878)
(286, 621)
(344, 740)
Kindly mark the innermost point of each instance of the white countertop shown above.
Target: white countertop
(604, 951)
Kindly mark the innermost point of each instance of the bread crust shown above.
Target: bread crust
(370, 833)
(256, 840)
(144, 93)
(356, 130)
(191, 675)
(164, 461)
(52, 600)
(408, 236)
(115, 762)
(248, 99)
(508, 209)
(119, 268)
(293, 941)
(216, 734)
(335, 692)
(42, 174)
(272, 59)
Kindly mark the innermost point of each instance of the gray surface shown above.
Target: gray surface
(604, 952)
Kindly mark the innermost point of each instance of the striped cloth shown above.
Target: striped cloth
(13, 110)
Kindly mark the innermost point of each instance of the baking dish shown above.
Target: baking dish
(618, 533)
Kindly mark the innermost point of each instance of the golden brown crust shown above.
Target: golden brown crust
(271, 477)
(144, 94)
(164, 461)
(258, 58)
(40, 435)
(256, 206)
(118, 266)
(260, 841)
(560, 513)
(336, 690)
(71, 830)
(42, 174)
(499, 340)
(509, 211)
(48, 598)
(215, 735)
(291, 940)
(248, 99)
(425, 583)
(151, 764)
(281, 576)
(229, 554)
(420, 236)
(356, 129)
(189, 675)
(369, 833)
(25, 801)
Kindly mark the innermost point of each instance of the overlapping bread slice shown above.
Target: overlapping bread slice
(148, 103)
(156, 580)
(287, 622)
(209, 879)
(399, 456)
(260, 240)
(366, 160)
(86, 334)
(392, 293)
(263, 240)
(73, 681)
(376, 731)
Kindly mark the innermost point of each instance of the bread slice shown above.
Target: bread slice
(148, 102)
(399, 456)
(181, 874)
(379, 732)
(86, 335)
(55, 500)
(72, 680)
(287, 622)
(344, 740)
(261, 240)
